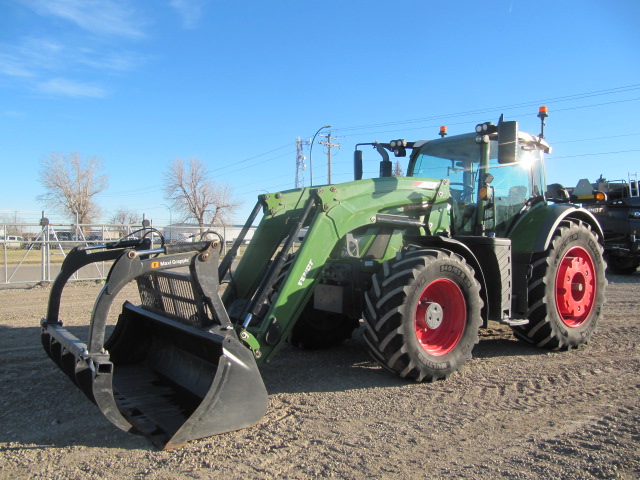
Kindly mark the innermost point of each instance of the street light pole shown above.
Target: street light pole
(310, 157)
(169, 208)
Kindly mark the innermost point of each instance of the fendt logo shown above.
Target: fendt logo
(596, 209)
(427, 185)
(303, 277)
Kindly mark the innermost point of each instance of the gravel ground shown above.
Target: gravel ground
(513, 411)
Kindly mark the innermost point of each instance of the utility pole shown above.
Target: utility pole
(328, 144)
(300, 161)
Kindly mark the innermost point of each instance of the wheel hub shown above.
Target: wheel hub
(433, 315)
(575, 287)
(440, 317)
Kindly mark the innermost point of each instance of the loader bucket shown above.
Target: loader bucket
(173, 368)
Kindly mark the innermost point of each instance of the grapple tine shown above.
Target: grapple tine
(60, 355)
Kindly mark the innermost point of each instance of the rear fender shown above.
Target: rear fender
(534, 230)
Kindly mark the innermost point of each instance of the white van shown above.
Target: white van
(12, 241)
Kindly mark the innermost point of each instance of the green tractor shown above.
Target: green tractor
(422, 262)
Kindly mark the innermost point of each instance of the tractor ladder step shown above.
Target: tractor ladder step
(514, 322)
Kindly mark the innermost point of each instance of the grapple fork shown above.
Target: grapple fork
(173, 368)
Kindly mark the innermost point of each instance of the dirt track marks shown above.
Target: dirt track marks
(512, 412)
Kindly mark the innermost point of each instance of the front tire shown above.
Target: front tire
(566, 289)
(422, 314)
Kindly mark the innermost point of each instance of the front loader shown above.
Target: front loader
(422, 262)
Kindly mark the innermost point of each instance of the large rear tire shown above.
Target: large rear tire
(566, 289)
(422, 314)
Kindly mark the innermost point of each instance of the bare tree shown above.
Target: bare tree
(397, 169)
(71, 184)
(10, 224)
(124, 216)
(191, 191)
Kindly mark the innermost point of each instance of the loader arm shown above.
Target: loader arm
(337, 210)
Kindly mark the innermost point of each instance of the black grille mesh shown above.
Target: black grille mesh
(173, 295)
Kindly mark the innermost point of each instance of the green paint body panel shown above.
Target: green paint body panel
(346, 214)
(522, 239)
(339, 210)
(533, 231)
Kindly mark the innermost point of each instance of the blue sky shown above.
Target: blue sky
(139, 83)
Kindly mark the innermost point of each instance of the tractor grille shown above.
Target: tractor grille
(173, 295)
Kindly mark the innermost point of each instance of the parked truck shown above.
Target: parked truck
(421, 262)
(617, 209)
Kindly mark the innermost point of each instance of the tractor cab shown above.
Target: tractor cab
(493, 175)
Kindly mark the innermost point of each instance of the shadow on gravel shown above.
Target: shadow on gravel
(41, 407)
(349, 366)
(345, 367)
(502, 347)
(622, 279)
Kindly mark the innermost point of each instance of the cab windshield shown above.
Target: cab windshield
(458, 159)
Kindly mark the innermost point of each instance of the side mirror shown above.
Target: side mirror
(357, 165)
(507, 142)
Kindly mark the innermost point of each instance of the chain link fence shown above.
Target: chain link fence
(33, 253)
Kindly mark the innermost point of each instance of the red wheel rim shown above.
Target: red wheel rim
(440, 317)
(575, 287)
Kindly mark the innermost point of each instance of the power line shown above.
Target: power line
(257, 163)
(263, 180)
(596, 138)
(154, 188)
(565, 98)
(435, 126)
(234, 164)
(551, 157)
(149, 189)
